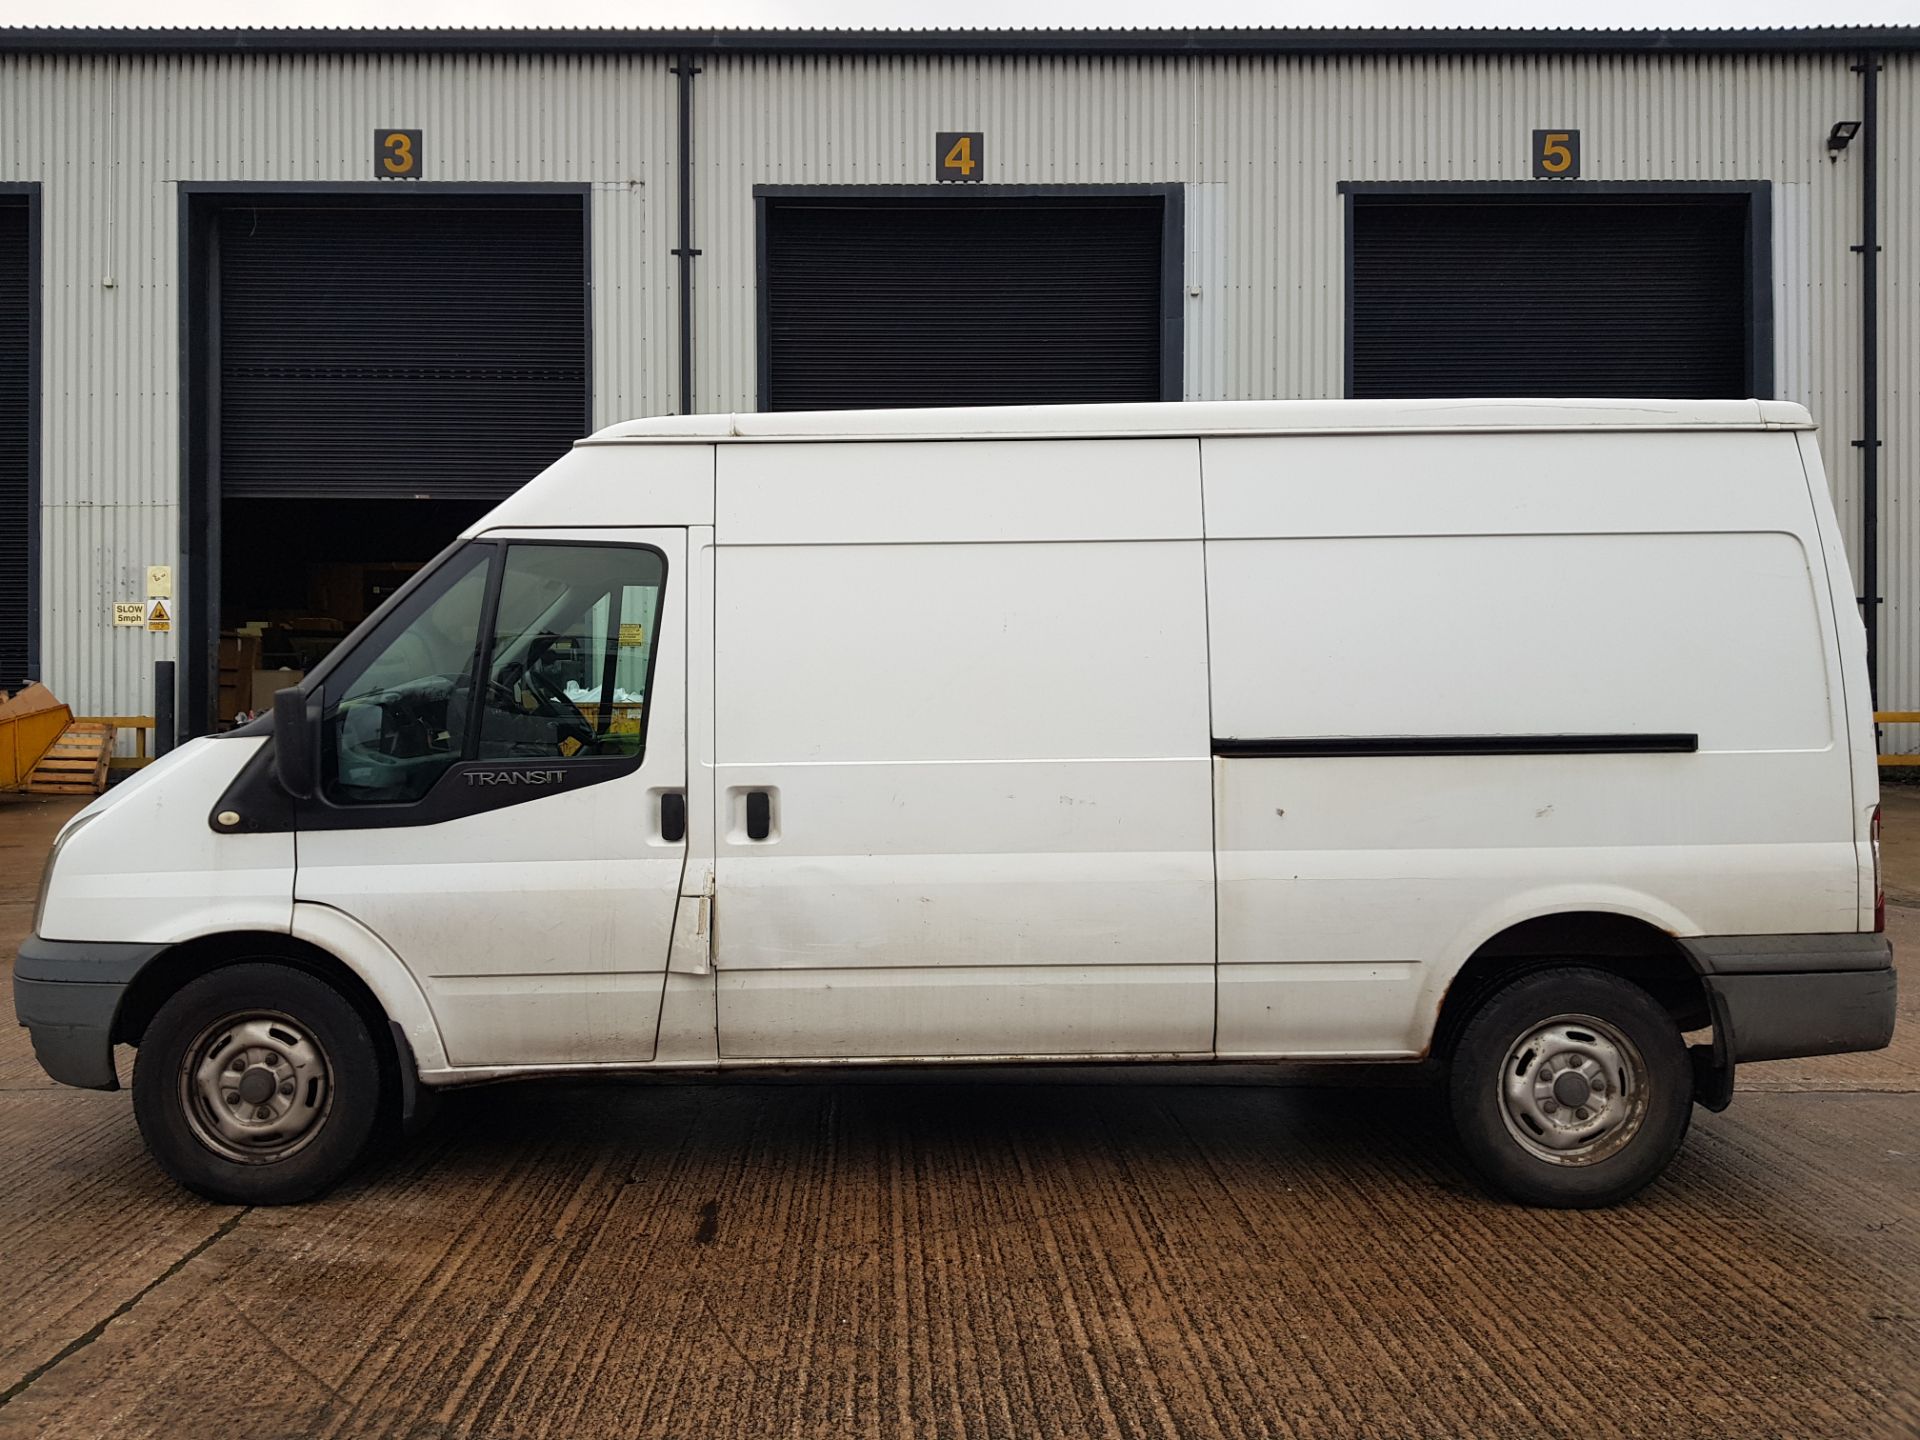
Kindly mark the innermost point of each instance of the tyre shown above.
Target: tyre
(1570, 1088)
(257, 1084)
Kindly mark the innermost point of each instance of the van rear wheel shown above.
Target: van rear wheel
(1571, 1088)
(257, 1084)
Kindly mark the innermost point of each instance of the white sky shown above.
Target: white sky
(957, 13)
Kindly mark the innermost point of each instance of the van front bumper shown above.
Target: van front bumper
(1778, 997)
(67, 993)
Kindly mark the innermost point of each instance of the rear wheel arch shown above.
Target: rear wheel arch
(1617, 944)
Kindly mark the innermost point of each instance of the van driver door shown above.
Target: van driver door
(500, 793)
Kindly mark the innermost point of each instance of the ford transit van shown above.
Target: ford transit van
(1532, 737)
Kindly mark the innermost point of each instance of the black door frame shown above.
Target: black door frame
(201, 203)
(29, 190)
(1759, 242)
(1173, 254)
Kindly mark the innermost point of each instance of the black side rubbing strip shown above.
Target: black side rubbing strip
(1353, 745)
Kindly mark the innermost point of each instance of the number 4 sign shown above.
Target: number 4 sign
(959, 155)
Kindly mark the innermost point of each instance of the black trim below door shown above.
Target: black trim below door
(1377, 745)
(1025, 44)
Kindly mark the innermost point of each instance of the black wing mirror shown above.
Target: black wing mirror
(296, 746)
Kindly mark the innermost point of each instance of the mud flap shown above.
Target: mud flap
(418, 1105)
(1713, 1064)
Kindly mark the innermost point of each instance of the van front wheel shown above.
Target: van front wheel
(1571, 1088)
(257, 1084)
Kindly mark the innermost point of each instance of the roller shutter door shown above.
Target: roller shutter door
(1595, 296)
(968, 301)
(16, 444)
(395, 353)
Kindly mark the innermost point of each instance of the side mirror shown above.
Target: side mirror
(294, 750)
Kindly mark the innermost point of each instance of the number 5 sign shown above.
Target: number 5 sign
(1556, 154)
(959, 155)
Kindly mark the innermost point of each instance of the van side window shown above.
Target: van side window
(564, 668)
(570, 653)
(395, 715)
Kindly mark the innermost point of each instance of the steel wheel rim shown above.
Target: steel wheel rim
(256, 1087)
(1573, 1090)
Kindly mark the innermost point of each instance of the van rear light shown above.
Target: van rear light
(1879, 886)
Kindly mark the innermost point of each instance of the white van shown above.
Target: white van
(1530, 735)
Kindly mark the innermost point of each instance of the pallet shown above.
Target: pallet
(75, 764)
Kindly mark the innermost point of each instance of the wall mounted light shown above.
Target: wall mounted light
(1840, 136)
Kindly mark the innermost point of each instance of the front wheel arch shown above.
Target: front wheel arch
(163, 976)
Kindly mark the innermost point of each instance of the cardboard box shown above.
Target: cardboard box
(265, 682)
(239, 658)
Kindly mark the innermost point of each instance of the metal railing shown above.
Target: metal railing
(1898, 717)
(139, 724)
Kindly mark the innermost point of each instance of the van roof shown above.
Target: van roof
(1216, 417)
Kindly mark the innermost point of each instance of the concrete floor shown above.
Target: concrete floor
(995, 1257)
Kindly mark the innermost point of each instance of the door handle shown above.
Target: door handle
(673, 817)
(759, 815)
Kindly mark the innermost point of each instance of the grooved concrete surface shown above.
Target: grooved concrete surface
(1164, 1254)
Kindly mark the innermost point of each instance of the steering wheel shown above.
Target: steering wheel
(570, 723)
(554, 702)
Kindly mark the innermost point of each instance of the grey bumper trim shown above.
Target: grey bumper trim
(66, 993)
(1787, 954)
(71, 1023)
(1780, 997)
(1772, 1016)
(96, 962)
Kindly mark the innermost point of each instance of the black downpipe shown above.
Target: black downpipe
(165, 727)
(1869, 441)
(686, 70)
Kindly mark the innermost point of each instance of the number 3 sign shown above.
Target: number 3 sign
(396, 154)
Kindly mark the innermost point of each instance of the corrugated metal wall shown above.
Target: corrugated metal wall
(1261, 145)
(111, 138)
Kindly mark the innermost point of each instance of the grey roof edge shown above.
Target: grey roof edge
(1154, 42)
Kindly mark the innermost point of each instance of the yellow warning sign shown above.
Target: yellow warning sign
(159, 617)
(133, 614)
(633, 634)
